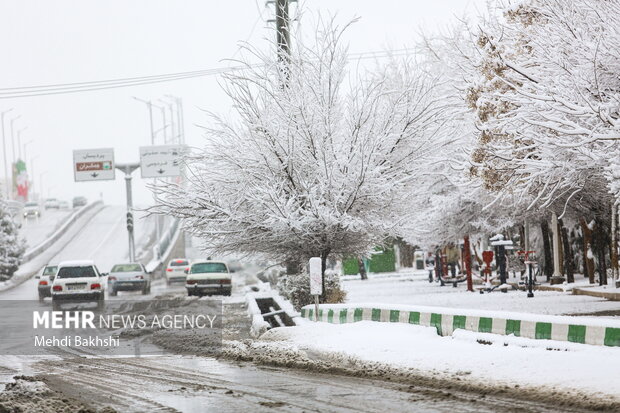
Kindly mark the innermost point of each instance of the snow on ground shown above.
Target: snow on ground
(414, 289)
(547, 365)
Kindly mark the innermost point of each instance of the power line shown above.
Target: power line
(89, 86)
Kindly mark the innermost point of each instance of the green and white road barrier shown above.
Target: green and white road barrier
(586, 330)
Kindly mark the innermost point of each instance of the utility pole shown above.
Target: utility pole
(282, 29)
(6, 165)
(127, 169)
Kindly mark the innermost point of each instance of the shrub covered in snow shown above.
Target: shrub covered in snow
(296, 288)
(11, 246)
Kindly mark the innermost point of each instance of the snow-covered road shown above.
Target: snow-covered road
(36, 230)
(103, 240)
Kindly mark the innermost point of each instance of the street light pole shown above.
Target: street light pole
(13, 137)
(41, 184)
(180, 128)
(150, 106)
(26, 147)
(127, 169)
(19, 142)
(6, 165)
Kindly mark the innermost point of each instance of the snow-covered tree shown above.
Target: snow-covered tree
(548, 100)
(11, 246)
(317, 160)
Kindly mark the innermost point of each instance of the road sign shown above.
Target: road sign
(160, 161)
(93, 164)
(316, 279)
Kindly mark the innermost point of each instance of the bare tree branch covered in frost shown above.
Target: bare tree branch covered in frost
(317, 161)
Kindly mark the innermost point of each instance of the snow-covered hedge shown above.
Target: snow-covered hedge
(296, 288)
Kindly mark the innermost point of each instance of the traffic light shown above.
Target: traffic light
(129, 222)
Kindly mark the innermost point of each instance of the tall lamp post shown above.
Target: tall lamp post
(32, 175)
(149, 104)
(13, 136)
(19, 142)
(6, 164)
(41, 184)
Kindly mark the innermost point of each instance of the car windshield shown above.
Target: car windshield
(31, 204)
(205, 267)
(77, 272)
(178, 263)
(126, 268)
(50, 270)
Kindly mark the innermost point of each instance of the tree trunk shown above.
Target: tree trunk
(613, 247)
(569, 262)
(324, 255)
(561, 247)
(599, 242)
(522, 245)
(362, 269)
(587, 246)
(467, 262)
(292, 266)
(548, 267)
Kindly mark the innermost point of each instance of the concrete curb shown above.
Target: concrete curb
(609, 295)
(560, 328)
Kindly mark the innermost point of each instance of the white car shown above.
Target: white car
(129, 277)
(32, 209)
(176, 270)
(207, 278)
(78, 281)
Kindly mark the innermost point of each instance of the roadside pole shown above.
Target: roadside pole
(127, 169)
(316, 282)
(467, 259)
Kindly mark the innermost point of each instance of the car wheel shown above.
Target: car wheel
(146, 290)
(113, 292)
(41, 298)
(101, 302)
(55, 305)
(190, 293)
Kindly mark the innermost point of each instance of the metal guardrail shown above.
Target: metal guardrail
(162, 248)
(164, 242)
(42, 246)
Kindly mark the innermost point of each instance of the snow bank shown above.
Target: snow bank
(491, 360)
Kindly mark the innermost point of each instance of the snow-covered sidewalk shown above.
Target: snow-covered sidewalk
(487, 360)
(413, 288)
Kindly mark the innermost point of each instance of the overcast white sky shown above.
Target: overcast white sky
(61, 41)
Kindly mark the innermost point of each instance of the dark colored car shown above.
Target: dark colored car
(79, 201)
